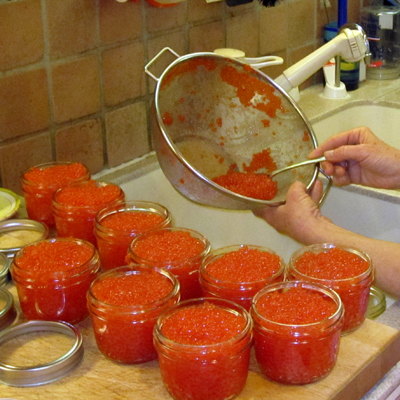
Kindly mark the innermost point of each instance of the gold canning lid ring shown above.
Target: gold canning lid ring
(8, 313)
(43, 373)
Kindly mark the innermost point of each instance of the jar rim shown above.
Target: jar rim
(329, 321)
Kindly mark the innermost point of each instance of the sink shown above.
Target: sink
(384, 121)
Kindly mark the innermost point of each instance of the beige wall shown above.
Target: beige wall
(72, 81)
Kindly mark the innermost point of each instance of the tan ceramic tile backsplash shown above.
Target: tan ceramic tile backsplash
(72, 81)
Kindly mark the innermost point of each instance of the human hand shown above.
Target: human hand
(299, 216)
(358, 156)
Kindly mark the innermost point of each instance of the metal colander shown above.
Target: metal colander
(211, 114)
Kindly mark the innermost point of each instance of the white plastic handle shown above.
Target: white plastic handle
(260, 62)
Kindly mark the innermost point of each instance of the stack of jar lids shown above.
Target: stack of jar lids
(44, 372)
(4, 270)
(9, 203)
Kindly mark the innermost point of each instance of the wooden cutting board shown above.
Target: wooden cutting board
(365, 356)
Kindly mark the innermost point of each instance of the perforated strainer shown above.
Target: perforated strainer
(212, 115)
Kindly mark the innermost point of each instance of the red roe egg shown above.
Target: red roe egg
(237, 273)
(52, 278)
(39, 183)
(203, 348)
(124, 304)
(349, 272)
(178, 250)
(75, 207)
(297, 328)
(117, 225)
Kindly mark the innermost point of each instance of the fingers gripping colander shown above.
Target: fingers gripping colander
(211, 114)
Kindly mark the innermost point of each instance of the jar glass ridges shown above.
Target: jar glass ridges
(40, 182)
(353, 289)
(238, 272)
(201, 363)
(298, 352)
(75, 207)
(178, 250)
(123, 324)
(117, 225)
(52, 278)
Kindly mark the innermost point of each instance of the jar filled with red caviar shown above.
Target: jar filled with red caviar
(52, 278)
(203, 349)
(297, 329)
(117, 225)
(39, 183)
(124, 304)
(348, 271)
(75, 207)
(178, 250)
(238, 272)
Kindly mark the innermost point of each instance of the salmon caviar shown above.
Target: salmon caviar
(237, 273)
(39, 184)
(75, 207)
(124, 305)
(260, 160)
(256, 186)
(117, 225)
(203, 349)
(179, 250)
(348, 272)
(297, 327)
(52, 278)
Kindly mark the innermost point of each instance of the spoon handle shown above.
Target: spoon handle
(300, 164)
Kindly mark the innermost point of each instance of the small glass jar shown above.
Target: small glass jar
(206, 355)
(75, 207)
(296, 353)
(376, 303)
(238, 272)
(39, 183)
(178, 250)
(52, 278)
(117, 225)
(353, 290)
(123, 326)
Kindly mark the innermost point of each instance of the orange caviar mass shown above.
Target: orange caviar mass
(56, 175)
(202, 324)
(245, 265)
(256, 186)
(132, 221)
(333, 263)
(297, 306)
(54, 256)
(168, 246)
(88, 195)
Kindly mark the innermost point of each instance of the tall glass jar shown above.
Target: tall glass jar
(124, 304)
(348, 271)
(238, 272)
(117, 225)
(297, 328)
(52, 278)
(75, 207)
(39, 183)
(178, 250)
(203, 349)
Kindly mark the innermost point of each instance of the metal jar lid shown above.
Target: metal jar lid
(8, 312)
(18, 233)
(4, 270)
(42, 373)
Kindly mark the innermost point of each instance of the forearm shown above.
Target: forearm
(385, 255)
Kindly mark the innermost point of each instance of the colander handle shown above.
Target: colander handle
(146, 68)
(327, 187)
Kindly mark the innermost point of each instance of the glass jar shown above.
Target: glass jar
(123, 324)
(203, 349)
(117, 225)
(75, 207)
(376, 303)
(238, 272)
(52, 278)
(353, 289)
(39, 183)
(178, 250)
(293, 350)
